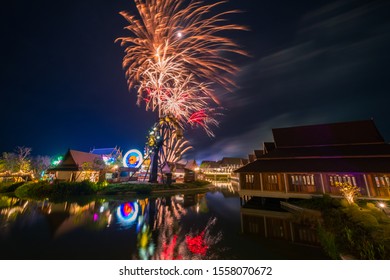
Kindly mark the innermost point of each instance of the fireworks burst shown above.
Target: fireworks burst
(174, 54)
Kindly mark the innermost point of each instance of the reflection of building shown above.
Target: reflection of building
(311, 160)
(78, 166)
(278, 225)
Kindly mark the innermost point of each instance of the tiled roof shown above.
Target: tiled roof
(231, 161)
(357, 132)
(373, 164)
(368, 150)
(74, 160)
(105, 151)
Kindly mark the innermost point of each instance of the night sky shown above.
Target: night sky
(63, 86)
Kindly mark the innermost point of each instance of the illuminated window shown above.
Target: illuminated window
(382, 181)
(249, 178)
(302, 179)
(346, 179)
(272, 179)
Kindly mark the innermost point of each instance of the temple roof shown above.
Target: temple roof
(345, 133)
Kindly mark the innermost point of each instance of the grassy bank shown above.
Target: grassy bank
(360, 230)
(114, 189)
(64, 190)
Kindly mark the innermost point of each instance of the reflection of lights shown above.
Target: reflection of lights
(197, 244)
(109, 220)
(101, 209)
(197, 208)
(127, 212)
(95, 217)
(179, 198)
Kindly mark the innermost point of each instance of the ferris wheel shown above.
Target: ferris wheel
(165, 145)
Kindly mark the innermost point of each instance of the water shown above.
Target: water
(210, 225)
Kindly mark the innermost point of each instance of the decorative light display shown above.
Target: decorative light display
(108, 160)
(166, 144)
(127, 212)
(57, 160)
(133, 158)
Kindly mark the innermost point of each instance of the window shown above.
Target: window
(249, 178)
(382, 181)
(337, 179)
(272, 179)
(307, 180)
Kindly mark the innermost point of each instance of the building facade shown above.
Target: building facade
(312, 160)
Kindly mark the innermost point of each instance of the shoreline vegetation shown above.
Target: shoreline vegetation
(63, 190)
(351, 231)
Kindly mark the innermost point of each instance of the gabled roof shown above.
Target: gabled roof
(345, 133)
(251, 158)
(191, 164)
(268, 147)
(369, 150)
(105, 151)
(373, 164)
(258, 153)
(74, 160)
(231, 161)
(210, 164)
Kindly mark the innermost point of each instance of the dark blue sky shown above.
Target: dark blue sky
(62, 83)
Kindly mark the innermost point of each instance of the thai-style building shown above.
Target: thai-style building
(307, 161)
(78, 166)
(224, 167)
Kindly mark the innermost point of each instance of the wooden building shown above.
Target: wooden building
(310, 160)
(78, 166)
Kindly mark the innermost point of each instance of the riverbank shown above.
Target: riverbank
(360, 230)
(64, 190)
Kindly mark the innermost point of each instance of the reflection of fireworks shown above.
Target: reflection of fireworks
(174, 47)
(174, 243)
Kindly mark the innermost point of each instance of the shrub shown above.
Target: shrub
(57, 190)
(7, 188)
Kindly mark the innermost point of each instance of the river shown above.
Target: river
(211, 225)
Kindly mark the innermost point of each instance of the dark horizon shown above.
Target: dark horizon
(63, 85)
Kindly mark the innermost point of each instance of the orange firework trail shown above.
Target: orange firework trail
(175, 53)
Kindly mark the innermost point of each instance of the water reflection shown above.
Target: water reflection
(209, 225)
(156, 223)
(278, 225)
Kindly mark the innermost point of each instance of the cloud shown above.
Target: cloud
(334, 70)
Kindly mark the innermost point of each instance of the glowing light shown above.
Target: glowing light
(108, 160)
(197, 244)
(174, 72)
(127, 212)
(382, 205)
(133, 158)
(57, 161)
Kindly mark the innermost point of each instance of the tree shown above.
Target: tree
(10, 162)
(349, 191)
(40, 164)
(23, 158)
